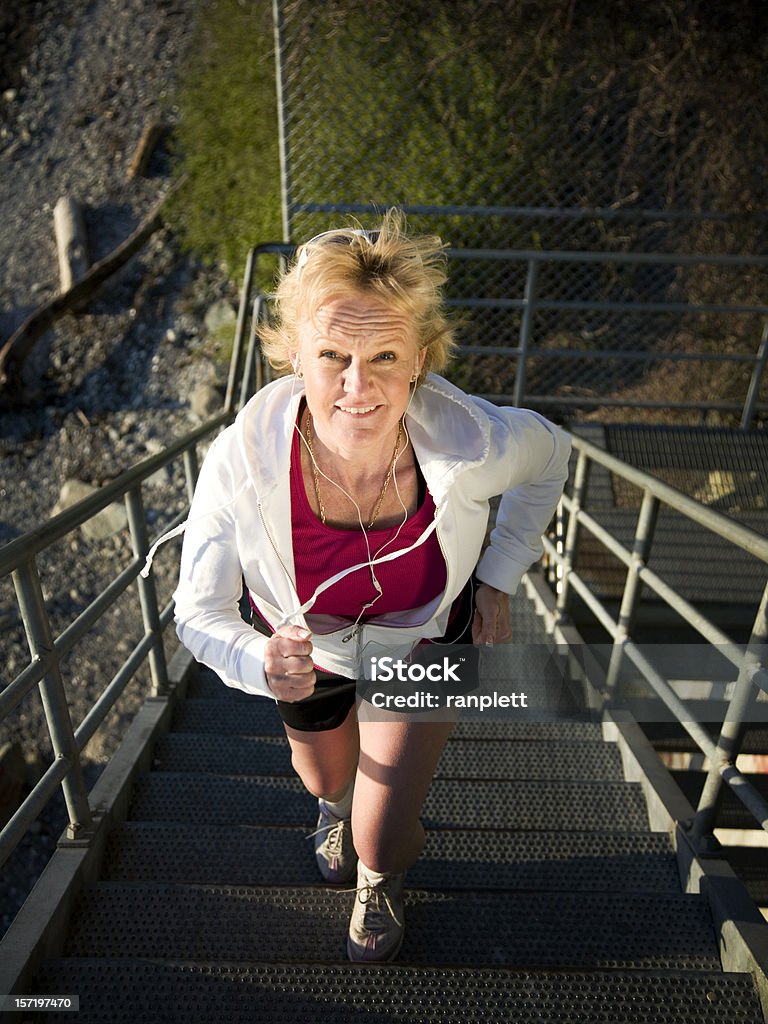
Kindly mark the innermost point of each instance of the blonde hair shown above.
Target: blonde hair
(406, 273)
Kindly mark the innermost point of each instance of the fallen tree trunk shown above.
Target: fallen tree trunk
(69, 229)
(15, 351)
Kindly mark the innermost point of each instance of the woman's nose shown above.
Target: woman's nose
(357, 377)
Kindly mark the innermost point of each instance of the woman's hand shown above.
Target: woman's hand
(491, 622)
(288, 664)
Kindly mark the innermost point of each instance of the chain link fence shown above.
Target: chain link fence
(510, 126)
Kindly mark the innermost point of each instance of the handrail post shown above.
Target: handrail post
(250, 355)
(40, 640)
(237, 346)
(641, 550)
(529, 300)
(191, 470)
(578, 499)
(150, 612)
(732, 732)
(753, 391)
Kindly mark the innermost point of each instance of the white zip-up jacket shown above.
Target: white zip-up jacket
(239, 525)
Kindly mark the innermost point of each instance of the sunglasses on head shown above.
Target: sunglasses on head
(336, 236)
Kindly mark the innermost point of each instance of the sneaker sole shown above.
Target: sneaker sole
(379, 960)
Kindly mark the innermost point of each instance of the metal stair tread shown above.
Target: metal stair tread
(262, 755)
(667, 736)
(533, 929)
(121, 990)
(731, 813)
(453, 858)
(253, 715)
(277, 800)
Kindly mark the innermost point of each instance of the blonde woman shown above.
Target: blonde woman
(352, 495)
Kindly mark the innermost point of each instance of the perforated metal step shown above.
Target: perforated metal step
(123, 992)
(262, 755)
(751, 865)
(669, 737)
(274, 800)
(256, 716)
(310, 924)
(452, 859)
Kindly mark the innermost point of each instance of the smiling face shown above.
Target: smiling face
(358, 358)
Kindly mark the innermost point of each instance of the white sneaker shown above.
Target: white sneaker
(334, 850)
(377, 926)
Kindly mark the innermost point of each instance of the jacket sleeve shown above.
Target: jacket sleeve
(208, 619)
(531, 456)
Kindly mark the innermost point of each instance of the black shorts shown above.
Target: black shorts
(330, 703)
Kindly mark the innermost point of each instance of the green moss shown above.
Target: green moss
(225, 146)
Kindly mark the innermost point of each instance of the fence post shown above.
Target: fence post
(147, 594)
(641, 550)
(578, 498)
(731, 734)
(282, 133)
(529, 299)
(753, 391)
(40, 640)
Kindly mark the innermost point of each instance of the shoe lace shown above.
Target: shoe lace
(377, 904)
(334, 839)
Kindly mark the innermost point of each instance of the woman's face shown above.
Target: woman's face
(358, 358)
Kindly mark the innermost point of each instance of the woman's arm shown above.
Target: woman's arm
(208, 619)
(531, 456)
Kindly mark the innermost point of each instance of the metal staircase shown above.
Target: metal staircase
(542, 894)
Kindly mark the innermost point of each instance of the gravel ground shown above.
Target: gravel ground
(112, 385)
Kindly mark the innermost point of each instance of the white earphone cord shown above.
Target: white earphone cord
(371, 558)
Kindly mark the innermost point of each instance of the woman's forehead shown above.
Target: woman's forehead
(359, 319)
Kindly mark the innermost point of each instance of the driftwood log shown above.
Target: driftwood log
(146, 146)
(71, 245)
(15, 351)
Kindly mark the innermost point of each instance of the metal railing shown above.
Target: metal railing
(19, 559)
(529, 341)
(749, 661)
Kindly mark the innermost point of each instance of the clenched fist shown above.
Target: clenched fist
(288, 664)
(491, 622)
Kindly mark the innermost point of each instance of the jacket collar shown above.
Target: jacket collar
(448, 431)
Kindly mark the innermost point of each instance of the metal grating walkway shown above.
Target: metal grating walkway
(542, 895)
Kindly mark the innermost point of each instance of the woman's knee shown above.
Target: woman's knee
(328, 781)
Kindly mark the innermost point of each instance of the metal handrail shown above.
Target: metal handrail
(529, 303)
(749, 660)
(18, 559)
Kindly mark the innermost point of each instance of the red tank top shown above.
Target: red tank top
(320, 551)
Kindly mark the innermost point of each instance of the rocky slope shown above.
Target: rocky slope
(118, 381)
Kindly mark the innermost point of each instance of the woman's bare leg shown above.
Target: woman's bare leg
(326, 761)
(395, 769)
